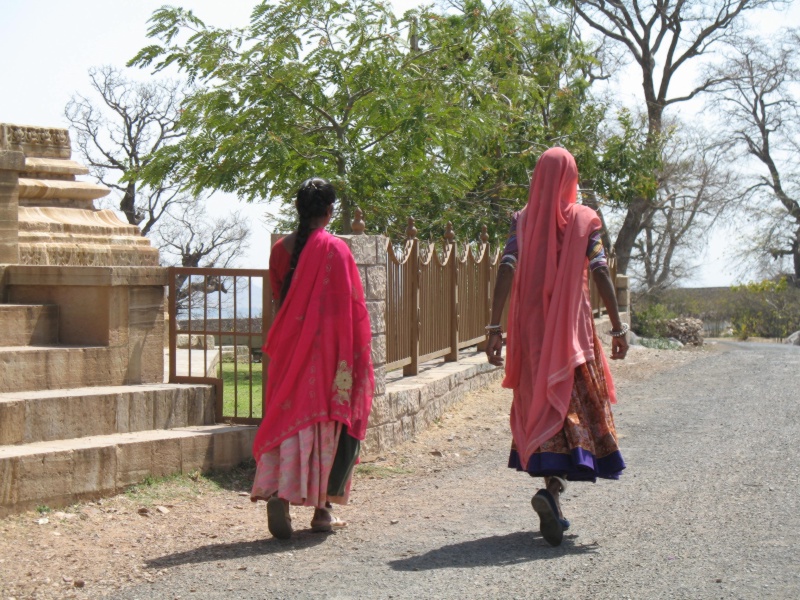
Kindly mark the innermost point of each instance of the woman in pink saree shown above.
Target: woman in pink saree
(320, 380)
(561, 419)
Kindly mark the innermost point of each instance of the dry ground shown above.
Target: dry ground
(92, 549)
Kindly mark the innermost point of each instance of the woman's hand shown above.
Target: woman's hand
(619, 347)
(494, 349)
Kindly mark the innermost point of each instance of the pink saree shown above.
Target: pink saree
(319, 348)
(550, 323)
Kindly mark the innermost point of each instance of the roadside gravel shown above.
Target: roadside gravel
(708, 508)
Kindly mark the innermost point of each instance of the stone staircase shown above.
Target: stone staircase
(84, 411)
(68, 433)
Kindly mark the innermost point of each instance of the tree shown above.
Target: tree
(121, 139)
(759, 100)
(437, 115)
(138, 119)
(695, 186)
(662, 37)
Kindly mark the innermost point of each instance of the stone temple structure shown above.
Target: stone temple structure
(84, 410)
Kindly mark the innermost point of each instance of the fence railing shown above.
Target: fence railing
(438, 298)
(219, 313)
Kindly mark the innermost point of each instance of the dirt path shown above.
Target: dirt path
(442, 517)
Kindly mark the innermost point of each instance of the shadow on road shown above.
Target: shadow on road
(497, 550)
(218, 552)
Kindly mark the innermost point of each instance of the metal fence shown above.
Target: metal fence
(219, 314)
(438, 299)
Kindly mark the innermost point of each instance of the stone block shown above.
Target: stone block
(379, 350)
(141, 412)
(197, 452)
(134, 462)
(382, 411)
(73, 416)
(170, 409)
(363, 248)
(380, 381)
(12, 422)
(166, 457)
(377, 316)
(231, 447)
(41, 477)
(8, 482)
(122, 411)
(376, 283)
(197, 401)
(94, 470)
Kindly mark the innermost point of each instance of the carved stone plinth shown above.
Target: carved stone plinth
(57, 221)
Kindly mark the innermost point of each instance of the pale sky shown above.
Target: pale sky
(48, 46)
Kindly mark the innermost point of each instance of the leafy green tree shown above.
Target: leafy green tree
(437, 115)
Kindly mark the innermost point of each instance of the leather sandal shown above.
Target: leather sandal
(318, 526)
(279, 521)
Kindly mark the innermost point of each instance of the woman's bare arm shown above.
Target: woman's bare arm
(502, 287)
(605, 286)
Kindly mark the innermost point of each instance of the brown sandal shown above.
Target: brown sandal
(279, 521)
(319, 526)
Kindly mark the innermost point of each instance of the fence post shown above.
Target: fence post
(486, 268)
(450, 238)
(414, 274)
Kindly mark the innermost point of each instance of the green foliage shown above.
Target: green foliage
(659, 343)
(651, 322)
(43, 509)
(629, 163)
(767, 309)
(436, 115)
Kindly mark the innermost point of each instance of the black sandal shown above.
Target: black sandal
(551, 525)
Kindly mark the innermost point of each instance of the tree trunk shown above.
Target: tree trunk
(344, 197)
(128, 204)
(632, 225)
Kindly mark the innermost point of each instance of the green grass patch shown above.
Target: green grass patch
(659, 343)
(380, 471)
(240, 382)
(161, 490)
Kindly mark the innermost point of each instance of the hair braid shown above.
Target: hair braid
(313, 199)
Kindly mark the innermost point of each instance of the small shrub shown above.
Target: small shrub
(767, 309)
(651, 322)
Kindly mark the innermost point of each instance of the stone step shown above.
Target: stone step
(27, 368)
(63, 472)
(28, 324)
(29, 417)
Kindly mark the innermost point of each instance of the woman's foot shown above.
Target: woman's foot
(279, 521)
(323, 521)
(551, 525)
(555, 486)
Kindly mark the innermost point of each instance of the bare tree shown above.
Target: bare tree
(662, 37)
(696, 185)
(759, 100)
(117, 138)
(117, 134)
(189, 238)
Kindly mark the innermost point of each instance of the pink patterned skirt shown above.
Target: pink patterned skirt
(299, 468)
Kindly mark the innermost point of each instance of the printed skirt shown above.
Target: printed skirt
(586, 447)
(310, 468)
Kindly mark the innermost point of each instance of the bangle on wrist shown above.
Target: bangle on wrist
(621, 332)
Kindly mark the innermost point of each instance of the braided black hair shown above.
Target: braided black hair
(313, 199)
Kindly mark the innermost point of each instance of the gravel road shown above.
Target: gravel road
(708, 507)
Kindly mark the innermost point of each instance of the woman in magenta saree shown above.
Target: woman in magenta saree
(561, 419)
(320, 380)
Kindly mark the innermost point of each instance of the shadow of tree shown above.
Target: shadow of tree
(498, 550)
(301, 540)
